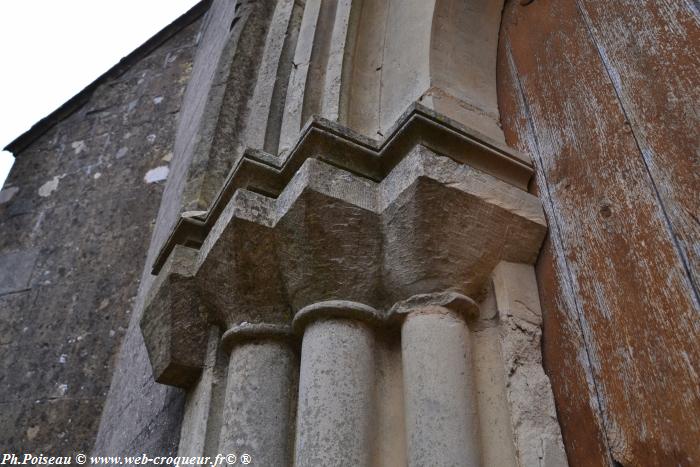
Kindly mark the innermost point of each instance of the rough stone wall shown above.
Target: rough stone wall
(76, 216)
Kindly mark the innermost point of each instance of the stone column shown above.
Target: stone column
(439, 393)
(336, 385)
(258, 407)
(194, 431)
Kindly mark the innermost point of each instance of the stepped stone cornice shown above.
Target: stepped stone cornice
(338, 145)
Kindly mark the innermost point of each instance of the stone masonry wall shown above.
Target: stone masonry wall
(76, 216)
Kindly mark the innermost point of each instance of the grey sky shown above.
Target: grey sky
(50, 50)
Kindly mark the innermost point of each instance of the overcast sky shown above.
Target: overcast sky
(51, 49)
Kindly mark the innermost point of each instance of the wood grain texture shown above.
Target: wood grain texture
(604, 97)
(651, 52)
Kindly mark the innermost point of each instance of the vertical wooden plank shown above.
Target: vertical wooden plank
(621, 320)
(564, 350)
(651, 51)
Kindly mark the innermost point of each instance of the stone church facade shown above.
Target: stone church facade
(364, 232)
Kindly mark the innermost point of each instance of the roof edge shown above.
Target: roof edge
(81, 98)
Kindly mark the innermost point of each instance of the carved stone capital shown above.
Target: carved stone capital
(343, 227)
(174, 323)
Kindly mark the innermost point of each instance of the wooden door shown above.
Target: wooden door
(605, 97)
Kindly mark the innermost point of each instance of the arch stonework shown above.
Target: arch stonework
(348, 277)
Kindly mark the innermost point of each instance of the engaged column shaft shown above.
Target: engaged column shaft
(440, 400)
(259, 395)
(336, 393)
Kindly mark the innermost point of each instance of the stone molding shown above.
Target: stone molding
(246, 332)
(340, 146)
(335, 309)
(457, 303)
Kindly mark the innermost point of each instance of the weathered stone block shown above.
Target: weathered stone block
(174, 323)
(16, 270)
